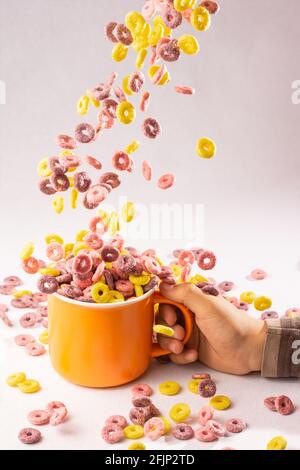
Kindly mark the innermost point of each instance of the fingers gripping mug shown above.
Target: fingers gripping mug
(105, 345)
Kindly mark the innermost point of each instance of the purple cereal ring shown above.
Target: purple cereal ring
(82, 181)
(110, 105)
(116, 420)
(28, 320)
(72, 292)
(121, 161)
(23, 340)
(64, 278)
(284, 405)
(183, 432)
(206, 260)
(46, 187)
(169, 280)
(293, 312)
(109, 279)
(269, 314)
(207, 388)
(269, 402)
(151, 285)
(124, 35)
(235, 425)
(170, 52)
(109, 253)
(101, 92)
(210, 290)
(140, 415)
(69, 161)
(29, 436)
(172, 18)
(216, 428)
(141, 401)
(136, 81)
(82, 263)
(66, 142)
(84, 133)
(243, 306)
(35, 349)
(126, 263)
(12, 281)
(110, 178)
(6, 289)
(112, 434)
(205, 435)
(151, 128)
(55, 166)
(88, 204)
(138, 269)
(212, 7)
(47, 284)
(205, 414)
(38, 417)
(109, 31)
(226, 286)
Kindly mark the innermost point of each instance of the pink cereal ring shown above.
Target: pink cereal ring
(185, 90)
(206, 260)
(136, 81)
(93, 240)
(151, 128)
(216, 428)
(112, 434)
(93, 162)
(101, 91)
(23, 340)
(96, 194)
(145, 101)
(258, 274)
(166, 181)
(82, 263)
(110, 178)
(58, 416)
(154, 428)
(147, 170)
(105, 119)
(35, 349)
(293, 312)
(7, 289)
(183, 432)
(70, 161)
(82, 181)
(205, 414)
(38, 417)
(284, 405)
(99, 271)
(212, 7)
(84, 133)
(54, 405)
(116, 420)
(29, 436)
(142, 389)
(109, 31)
(111, 105)
(97, 225)
(120, 95)
(140, 415)
(5, 319)
(172, 18)
(124, 35)
(30, 265)
(269, 402)
(148, 9)
(185, 273)
(39, 297)
(28, 320)
(121, 161)
(111, 79)
(124, 286)
(66, 142)
(55, 251)
(205, 435)
(235, 425)
(226, 286)
(12, 281)
(152, 266)
(117, 242)
(186, 257)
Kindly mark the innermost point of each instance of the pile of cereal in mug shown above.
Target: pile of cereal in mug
(137, 32)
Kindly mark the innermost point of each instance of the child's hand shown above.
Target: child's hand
(224, 337)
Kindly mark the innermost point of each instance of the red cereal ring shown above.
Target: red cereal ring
(212, 7)
(124, 35)
(116, 420)
(23, 340)
(235, 425)
(94, 225)
(60, 182)
(72, 292)
(89, 205)
(216, 428)
(35, 349)
(84, 133)
(140, 415)
(109, 31)
(112, 434)
(185, 90)
(12, 281)
(109, 254)
(105, 119)
(269, 402)
(110, 105)
(207, 388)
(117, 241)
(151, 128)
(205, 414)
(82, 181)
(96, 194)
(145, 101)
(124, 286)
(172, 18)
(46, 187)
(29, 436)
(55, 166)
(170, 52)
(28, 320)
(38, 417)
(136, 81)
(66, 142)
(284, 405)
(121, 161)
(82, 263)
(69, 161)
(206, 260)
(58, 416)
(30, 265)
(120, 95)
(47, 284)
(93, 240)
(93, 162)
(166, 181)
(183, 432)
(126, 263)
(186, 257)
(101, 92)
(110, 178)
(142, 389)
(205, 435)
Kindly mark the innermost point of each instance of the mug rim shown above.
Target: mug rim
(104, 305)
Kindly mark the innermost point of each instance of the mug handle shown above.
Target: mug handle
(188, 320)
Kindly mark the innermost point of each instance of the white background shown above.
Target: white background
(51, 51)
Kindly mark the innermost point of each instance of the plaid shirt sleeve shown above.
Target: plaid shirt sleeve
(281, 357)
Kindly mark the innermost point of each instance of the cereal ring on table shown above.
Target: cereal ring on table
(205, 414)
(226, 286)
(46, 187)
(186, 257)
(7, 289)
(29, 386)
(38, 417)
(66, 142)
(4, 317)
(258, 274)
(126, 112)
(100, 292)
(277, 443)
(248, 296)
(84, 133)
(121, 161)
(35, 349)
(235, 425)
(44, 337)
(142, 389)
(169, 388)
(262, 303)
(151, 128)
(28, 320)
(112, 434)
(205, 435)
(12, 281)
(180, 412)
(29, 436)
(140, 415)
(23, 340)
(136, 81)
(93, 161)
(124, 35)
(206, 260)
(220, 402)
(166, 181)
(47, 284)
(18, 303)
(30, 265)
(284, 405)
(109, 253)
(119, 52)
(206, 148)
(58, 416)
(55, 251)
(200, 18)
(154, 428)
(185, 90)
(216, 428)
(193, 385)
(82, 181)
(183, 432)
(207, 388)
(141, 401)
(14, 380)
(133, 431)
(109, 31)
(110, 178)
(137, 446)
(54, 405)
(43, 311)
(212, 7)
(243, 306)
(172, 18)
(170, 52)
(269, 402)
(116, 420)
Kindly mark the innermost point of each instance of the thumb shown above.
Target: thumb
(187, 294)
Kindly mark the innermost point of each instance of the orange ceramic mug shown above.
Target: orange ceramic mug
(104, 345)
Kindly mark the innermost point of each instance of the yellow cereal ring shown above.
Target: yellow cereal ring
(100, 293)
(133, 146)
(18, 294)
(29, 386)
(128, 212)
(220, 402)
(94, 102)
(15, 379)
(141, 57)
(125, 112)
(139, 44)
(53, 237)
(74, 198)
(206, 148)
(152, 71)
(138, 291)
(159, 20)
(27, 251)
(163, 330)
(80, 236)
(125, 86)
(188, 44)
(262, 303)
(180, 412)
(135, 22)
(193, 386)
(247, 297)
(48, 271)
(156, 34)
(80, 246)
(43, 168)
(104, 216)
(83, 105)
(182, 5)
(145, 32)
(114, 223)
(277, 443)
(167, 425)
(115, 296)
(65, 153)
(108, 265)
(137, 446)
(58, 203)
(71, 181)
(176, 269)
(169, 388)
(200, 19)
(197, 278)
(119, 52)
(44, 337)
(133, 431)
(68, 247)
(140, 280)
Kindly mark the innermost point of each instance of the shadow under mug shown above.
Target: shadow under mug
(105, 345)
